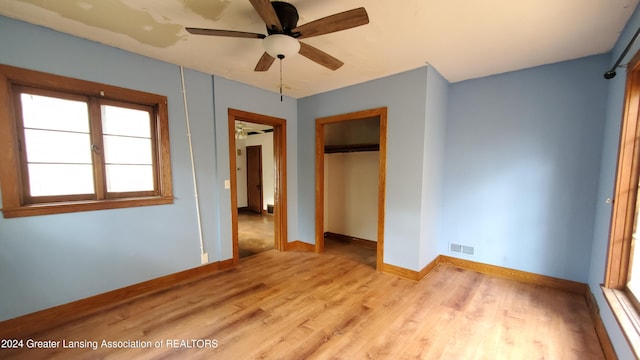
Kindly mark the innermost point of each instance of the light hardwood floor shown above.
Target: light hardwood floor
(360, 253)
(255, 233)
(293, 305)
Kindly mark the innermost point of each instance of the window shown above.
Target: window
(622, 278)
(70, 145)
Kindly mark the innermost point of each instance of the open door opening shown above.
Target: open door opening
(250, 181)
(255, 193)
(359, 140)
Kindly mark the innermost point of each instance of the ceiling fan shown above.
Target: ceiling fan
(281, 19)
(243, 130)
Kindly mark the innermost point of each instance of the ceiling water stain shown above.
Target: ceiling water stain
(115, 16)
(208, 9)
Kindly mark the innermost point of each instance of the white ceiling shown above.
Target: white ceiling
(463, 39)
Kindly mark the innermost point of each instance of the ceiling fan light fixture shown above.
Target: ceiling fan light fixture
(280, 45)
(241, 133)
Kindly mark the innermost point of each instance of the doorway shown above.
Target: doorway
(254, 179)
(279, 207)
(379, 114)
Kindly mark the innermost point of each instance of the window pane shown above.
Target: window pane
(634, 273)
(45, 146)
(43, 112)
(127, 150)
(57, 145)
(124, 178)
(60, 179)
(633, 282)
(124, 121)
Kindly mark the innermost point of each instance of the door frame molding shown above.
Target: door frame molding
(280, 163)
(380, 113)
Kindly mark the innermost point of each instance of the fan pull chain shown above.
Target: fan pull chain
(280, 57)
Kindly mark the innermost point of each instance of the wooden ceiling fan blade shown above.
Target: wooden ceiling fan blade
(337, 22)
(267, 13)
(228, 33)
(319, 57)
(265, 62)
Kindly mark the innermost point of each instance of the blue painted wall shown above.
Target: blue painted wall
(517, 165)
(232, 94)
(54, 259)
(521, 167)
(436, 104)
(609, 158)
(405, 95)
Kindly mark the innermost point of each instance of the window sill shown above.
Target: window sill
(627, 316)
(90, 205)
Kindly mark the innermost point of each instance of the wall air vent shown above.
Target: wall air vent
(461, 249)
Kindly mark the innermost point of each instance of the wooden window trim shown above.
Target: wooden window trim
(622, 302)
(11, 183)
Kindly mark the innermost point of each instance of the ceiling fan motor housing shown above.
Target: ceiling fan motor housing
(281, 19)
(288, 16)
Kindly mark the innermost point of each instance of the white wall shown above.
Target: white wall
(351, 194)
(268, 168)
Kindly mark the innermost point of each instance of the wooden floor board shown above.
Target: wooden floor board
(255, 233)
(292, 305)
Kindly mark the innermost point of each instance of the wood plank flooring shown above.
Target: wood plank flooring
(360, 253)
(293, 305)
(255, 233)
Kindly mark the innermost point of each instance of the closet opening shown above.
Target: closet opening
(350, 185)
